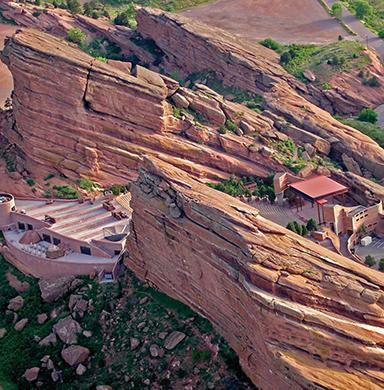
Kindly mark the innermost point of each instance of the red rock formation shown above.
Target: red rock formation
(190, 46)
(298, 315)
(83, 117)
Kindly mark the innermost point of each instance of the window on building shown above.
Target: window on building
(56, 241)
(30, 227)
(85, 250)
(21, 225)
(46, 237)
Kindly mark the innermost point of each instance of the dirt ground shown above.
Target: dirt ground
(6, 82)
(293, 21)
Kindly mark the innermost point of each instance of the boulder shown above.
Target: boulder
(31, 374)
(75, 354)
(67, 330)
(180, 101)
(173, 340)
(53, 289)
(80, 370)
(41, 318)
(51, 339)
(134, 343)
(351, 164)
(16, 303)
(309, 75)
(103, 387)
(3, 331)
(20, 325)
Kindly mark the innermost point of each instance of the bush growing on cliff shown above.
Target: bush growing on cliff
(381, 265)
(127, 17)
(74, 6)
(76, 35)
(368, 115)
(66, 192)
(272, 44)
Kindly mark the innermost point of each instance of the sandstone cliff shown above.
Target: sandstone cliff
(190, 46)
(298, 315)
(84, 117)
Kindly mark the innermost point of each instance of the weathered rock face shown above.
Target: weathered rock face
(190, 46)
(84, 117)
(298, 315)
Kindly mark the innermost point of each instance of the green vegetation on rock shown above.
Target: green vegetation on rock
(322, 60)
(371, 130)
(126, 321)
(238, 186)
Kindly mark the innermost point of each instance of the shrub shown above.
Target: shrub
(370, 261)
(381, 34)
(87, 184)
(126, 17)
(285, 57)
(368, 115)
(337, 10)
(76, 35)
(312, 225)
(272, 44)
(74, 6)
(118, 189)
(222, 129)
(362, 8)
(231, 126)
(372, 82)
(66, 192)
(36, 14)
(381, 265)
(30, 181)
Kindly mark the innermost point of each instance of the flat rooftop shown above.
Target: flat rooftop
(318, 187)
(84, 221)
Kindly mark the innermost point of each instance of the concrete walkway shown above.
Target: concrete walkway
(363, 34)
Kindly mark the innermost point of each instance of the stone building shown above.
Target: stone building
(50, 238)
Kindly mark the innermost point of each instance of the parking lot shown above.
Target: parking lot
(375, 249)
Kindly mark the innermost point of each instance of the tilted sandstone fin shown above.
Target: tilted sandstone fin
(298, 315)
(251, 67)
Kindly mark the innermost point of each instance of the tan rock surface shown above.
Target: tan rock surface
(293, 311)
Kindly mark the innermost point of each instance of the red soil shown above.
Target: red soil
(293, 21)
(6, 82)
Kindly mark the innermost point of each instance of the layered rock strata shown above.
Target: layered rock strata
(84, 117)
(298, 315)
(191, 47)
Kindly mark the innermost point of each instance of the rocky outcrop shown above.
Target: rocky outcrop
(98, 120)
(191, 47)
(298, 315)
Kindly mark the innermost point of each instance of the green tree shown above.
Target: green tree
(312, 225)
(298, 228)
(304, 230)
(126, 17)
(74, 6)
(362, 8)
(368, 115)
(337, 10)
(75, 35)
(381, 265)
(370, 261)
(291, 227)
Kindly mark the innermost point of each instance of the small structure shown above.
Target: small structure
(316, 190)
(51, 238)
(365, 241)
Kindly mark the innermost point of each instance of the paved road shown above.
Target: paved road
(364, 34)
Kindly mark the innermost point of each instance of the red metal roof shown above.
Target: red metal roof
(319, 187)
